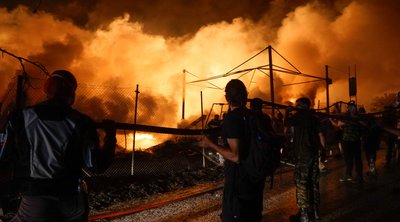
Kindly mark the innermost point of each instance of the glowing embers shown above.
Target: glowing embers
(142, 141)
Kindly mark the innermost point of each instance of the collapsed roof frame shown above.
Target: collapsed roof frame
(269, 70)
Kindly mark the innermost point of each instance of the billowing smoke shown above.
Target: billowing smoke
(360, 40)
(125, 44)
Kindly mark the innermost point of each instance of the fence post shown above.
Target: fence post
(202, 127)
(134, 130)
(183, 93)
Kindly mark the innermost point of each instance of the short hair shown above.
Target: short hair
(351, 106)
(236, 92)
(362, 110)
(304, 100)
(61, 84)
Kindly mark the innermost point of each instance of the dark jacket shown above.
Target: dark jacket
(306, 135)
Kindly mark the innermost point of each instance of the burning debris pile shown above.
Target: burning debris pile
(105, 192)
(163, 168)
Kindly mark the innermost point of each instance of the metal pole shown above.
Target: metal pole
(134, 131)
(327, 88)
(183, 93)
(202, 127)
(209, 114)
(271, 80)
(355, 76)
(349, 84)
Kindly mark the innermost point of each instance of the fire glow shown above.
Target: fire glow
(120, 53)
(142, 141)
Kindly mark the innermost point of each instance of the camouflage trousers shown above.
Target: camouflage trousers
(307, 184)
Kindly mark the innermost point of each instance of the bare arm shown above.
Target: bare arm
(229, 152)
(392, 131)
(321, 139)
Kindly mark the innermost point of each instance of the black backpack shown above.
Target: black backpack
(264, 154)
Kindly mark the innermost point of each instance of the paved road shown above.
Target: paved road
(377, 200)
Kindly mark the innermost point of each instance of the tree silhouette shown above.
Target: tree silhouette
(379, 102)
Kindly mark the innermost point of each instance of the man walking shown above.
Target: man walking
(307, 141)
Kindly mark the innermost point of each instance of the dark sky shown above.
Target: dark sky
(165, 17)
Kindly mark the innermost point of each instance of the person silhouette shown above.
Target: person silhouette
(49, 144)
(242, 197)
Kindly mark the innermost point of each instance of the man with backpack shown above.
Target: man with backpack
(243, 195)
(307, 140)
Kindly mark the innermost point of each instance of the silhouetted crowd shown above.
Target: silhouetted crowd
(312, 138)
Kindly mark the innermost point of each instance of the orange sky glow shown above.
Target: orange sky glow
(125, 50)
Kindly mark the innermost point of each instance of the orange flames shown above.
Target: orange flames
(142, 141)
(121, 54)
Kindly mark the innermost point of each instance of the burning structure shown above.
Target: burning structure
(112, 48)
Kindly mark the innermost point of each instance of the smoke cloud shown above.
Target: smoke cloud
(127, 44)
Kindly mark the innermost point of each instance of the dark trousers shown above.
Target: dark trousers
(390, 143)
(371, 144)
(352, 157)
(243, 197)
(243, 211)
(73, 208)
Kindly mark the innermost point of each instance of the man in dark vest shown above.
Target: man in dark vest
(48, 144)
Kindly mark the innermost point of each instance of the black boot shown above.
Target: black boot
(304, 215)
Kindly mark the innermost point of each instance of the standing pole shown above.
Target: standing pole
(271, 81)
(134, 130)
(183, 93)
(202, 126)
(355, 76)
(349, 84)
(327, 81)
